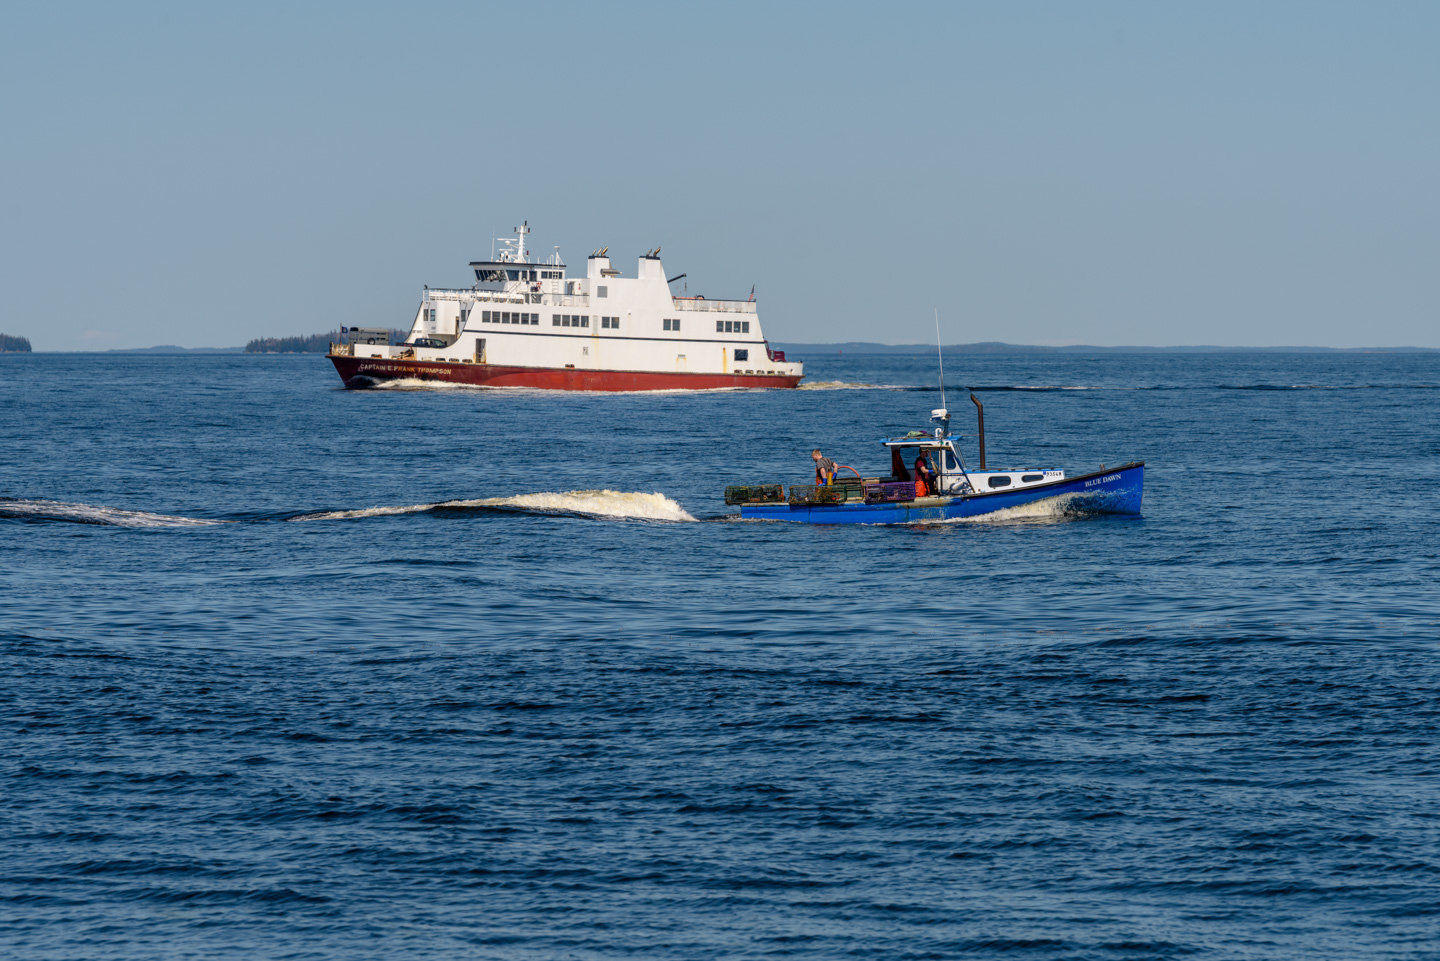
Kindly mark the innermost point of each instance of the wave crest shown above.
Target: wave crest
(608, 504)
(41, 510)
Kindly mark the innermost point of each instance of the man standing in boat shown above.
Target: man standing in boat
(924, 476)
(824, 467)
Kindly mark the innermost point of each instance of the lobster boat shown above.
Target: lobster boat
(952, 492)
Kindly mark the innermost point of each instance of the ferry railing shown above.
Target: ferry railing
(722, 306)
(506, 297)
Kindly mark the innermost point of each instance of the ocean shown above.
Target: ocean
(299, 672)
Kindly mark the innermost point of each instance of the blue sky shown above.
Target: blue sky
(1047, 173)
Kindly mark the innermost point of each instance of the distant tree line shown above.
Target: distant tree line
(14, 345)
(313, 344)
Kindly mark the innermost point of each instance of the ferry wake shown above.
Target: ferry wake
(526, 324)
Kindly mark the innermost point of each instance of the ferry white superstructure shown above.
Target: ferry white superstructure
(526, 324)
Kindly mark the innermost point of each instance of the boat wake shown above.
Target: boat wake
(602, 504)
(846, 385)
(1051, 510)
(41, 510)
(416, 384)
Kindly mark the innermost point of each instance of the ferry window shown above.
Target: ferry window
(432, 315)
(614, 323)
(585, 321)
(554, 320)
(729, 327)
(719, 326)
(564, 320)
(485, 316)
(666, 322)
(950, 461)
(1031, 478)
(513, 274)
(1001, 481)
(742, 355)
(675, 323)
(602, 291)
(744, 326)
(505, 317)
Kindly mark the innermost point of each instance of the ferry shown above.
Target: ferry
(527, 324)
(952, 492)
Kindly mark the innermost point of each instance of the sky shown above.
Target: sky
(1138, 173)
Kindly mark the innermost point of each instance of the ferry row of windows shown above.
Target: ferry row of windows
(498, 276)
(509, 317)
(583, 320)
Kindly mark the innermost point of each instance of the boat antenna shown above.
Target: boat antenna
(941, 414)
(941, 354)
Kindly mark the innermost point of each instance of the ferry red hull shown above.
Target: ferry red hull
(363, 371)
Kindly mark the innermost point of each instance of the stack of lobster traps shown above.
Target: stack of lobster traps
(811, 495)
(868, 490)
(755, 494)
(888, 492)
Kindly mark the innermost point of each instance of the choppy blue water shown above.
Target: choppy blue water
(491, 730)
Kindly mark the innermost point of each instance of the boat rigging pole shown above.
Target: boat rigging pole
(941, 354)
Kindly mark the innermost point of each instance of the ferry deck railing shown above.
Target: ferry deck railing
(546, 299)
(724, 306)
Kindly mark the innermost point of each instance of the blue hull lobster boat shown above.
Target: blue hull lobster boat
(955, 492)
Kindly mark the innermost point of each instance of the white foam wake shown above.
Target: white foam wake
(842, 385)
(1047, 511)
(91, 514)
(619, 505)
(416, 383)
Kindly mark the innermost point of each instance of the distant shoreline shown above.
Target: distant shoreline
(995, 347)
